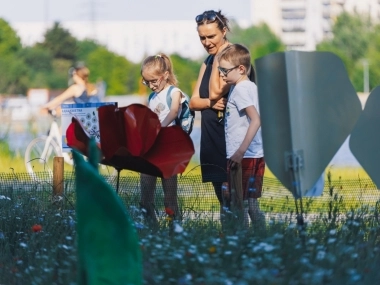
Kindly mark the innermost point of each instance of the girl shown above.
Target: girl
(157, 73)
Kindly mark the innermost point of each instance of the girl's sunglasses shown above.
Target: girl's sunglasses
(210, 16)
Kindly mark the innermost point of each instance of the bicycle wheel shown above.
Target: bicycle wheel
(41, 168)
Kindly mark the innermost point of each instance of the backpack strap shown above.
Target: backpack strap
(168, 97)
(169, 102)
(150, 96)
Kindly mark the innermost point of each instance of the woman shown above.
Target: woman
(208, 97)
(80, 92)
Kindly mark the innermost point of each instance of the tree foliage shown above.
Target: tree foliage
(60, 43)
(260, 40)
(13, 75)
(118, 73)
(186, 71)
(9, 41)
(356, 40)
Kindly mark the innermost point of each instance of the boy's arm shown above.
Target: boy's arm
(174, 108)
(254, 125)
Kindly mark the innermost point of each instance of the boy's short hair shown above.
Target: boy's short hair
(237, 54)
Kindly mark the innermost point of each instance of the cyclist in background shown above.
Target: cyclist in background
(81, 91)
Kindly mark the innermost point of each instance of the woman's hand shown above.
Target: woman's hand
(218, 104)
(222, 47)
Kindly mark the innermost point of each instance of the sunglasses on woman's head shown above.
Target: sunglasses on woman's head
(210, 16)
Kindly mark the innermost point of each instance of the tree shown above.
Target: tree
(14, 77)
(85, 48)
(60, 43)
(260, 40)
(350, 41)
(373, 56)
(13, 71)
(9, 41)
(37, 58)
(186, 71)
(120, 75)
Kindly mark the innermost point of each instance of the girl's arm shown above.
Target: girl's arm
(197, 103)
(174, 108)
(254, 125)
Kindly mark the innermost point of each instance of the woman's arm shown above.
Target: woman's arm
(254, 125)
(174, 108)
(70, 92)
(197, 103)
(217, 87)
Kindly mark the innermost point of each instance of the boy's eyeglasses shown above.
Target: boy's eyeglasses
(225, 71)
(210, 16)
(153, 82)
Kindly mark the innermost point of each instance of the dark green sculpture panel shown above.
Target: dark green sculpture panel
(365, 137)
(308, 107)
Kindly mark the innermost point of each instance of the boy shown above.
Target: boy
(242, 127)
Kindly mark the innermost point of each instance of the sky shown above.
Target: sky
(118, 10)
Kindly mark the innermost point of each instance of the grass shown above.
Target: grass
(327, 251)
(340, 243)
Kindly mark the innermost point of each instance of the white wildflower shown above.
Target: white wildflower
(320, 255)
(312, 241)
(2, 197)
(178, 228)
(331, 240)
(332, 232)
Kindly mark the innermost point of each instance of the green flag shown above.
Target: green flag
(108, 247)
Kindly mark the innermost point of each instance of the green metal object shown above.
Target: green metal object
(308, 107)
(365, 137)
(108, 247)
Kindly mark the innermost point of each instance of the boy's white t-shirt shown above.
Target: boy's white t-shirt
(241, 96)
(159, 105)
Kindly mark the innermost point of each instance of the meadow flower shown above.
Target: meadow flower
(185, 279)
(212, 249)
(331, 240)
(178, 228)
(139, 225)
(320, 255)
(169, 211)
(312, 241)
(36, 228)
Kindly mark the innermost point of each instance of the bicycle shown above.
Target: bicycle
(40, 152)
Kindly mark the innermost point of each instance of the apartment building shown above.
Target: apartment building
(301, 24)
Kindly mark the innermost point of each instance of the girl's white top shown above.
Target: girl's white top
(158, 104)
